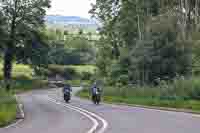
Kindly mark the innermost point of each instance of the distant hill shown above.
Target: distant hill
(71, 23)
(69, 20)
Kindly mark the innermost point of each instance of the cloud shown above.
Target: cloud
(70, 7)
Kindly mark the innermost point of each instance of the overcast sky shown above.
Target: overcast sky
(70, 7)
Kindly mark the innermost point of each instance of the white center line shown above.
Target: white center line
(88, 114)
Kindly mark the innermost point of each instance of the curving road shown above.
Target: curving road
(46, 112)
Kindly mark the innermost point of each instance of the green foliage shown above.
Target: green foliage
(86, 76)
(180, 88)
(70, 50)
(19, 72)
(22, 20)
(181, 93)
(84, 72)
(63, 71)
(145, 40)
(23, 79)
(84, 83)
(84, 68)
(163, 57)
(22, 85)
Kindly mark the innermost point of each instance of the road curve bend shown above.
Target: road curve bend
(46, 112)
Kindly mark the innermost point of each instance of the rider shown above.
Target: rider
(95, 89)
(67, 89)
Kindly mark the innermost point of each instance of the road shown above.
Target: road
(46, 112)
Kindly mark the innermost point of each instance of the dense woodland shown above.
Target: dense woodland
(146, 40)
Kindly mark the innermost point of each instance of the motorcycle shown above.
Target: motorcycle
(67, 96)
(96, 98)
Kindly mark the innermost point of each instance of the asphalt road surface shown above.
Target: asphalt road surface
(46, 112)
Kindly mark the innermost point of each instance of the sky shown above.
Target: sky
(70, 8)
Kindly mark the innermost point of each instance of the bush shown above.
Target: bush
(123, 79)
(84, 72)
(86, 75)
(181, 88)
(69, 73)
(19, 72)
(64, 71)
(42, 72)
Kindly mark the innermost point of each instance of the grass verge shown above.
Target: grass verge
(24, 85)
(193, 105)
(8, 108)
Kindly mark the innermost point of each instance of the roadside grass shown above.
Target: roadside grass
(24, 85)
(156, 102)
(8, 108)
(181, 94)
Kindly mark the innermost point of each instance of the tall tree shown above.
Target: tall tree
(137, 30)
(23, 17)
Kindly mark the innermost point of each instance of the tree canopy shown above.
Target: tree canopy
(22, 20)
(146, 40)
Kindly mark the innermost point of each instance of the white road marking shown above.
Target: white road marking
(14, 124)
(105, 123)
(95, 123)
(88, 114)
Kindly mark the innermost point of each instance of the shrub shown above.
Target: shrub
(123, 79)
(69, 73)
(64, 71)
(86, 75)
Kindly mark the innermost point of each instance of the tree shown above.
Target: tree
(23, 17)
(2, 33)
(80, 32)
(35, 53)
(66, 32)
(144, 28)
